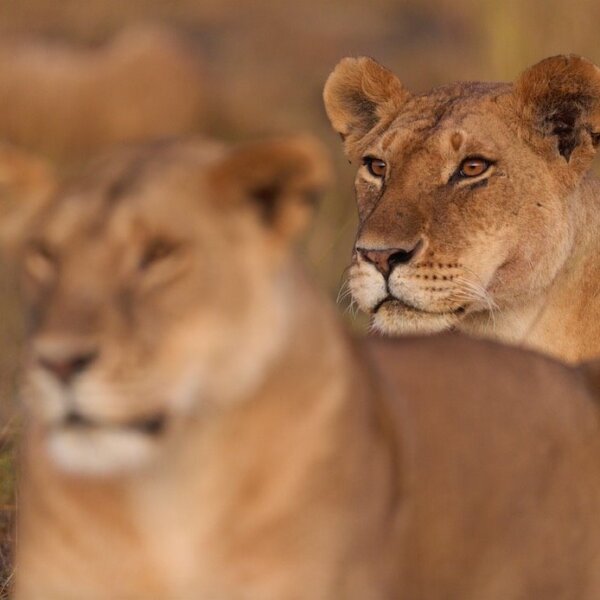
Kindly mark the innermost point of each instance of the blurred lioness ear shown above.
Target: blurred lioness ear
(559, 99)
(25, 182)
(359, 95)
(282, 178)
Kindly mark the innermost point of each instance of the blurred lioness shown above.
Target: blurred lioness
(69, 101)
(201, 427)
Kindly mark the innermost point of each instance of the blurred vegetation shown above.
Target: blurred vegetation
(7, 507)
(265, 65)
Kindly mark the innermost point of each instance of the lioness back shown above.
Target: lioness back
(68, 101)
(499, 447)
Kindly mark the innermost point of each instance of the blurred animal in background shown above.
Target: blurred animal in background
(67, 100)
(477, 208)
(199, 425)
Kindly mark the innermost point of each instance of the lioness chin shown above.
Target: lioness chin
(200, 427)
(477, 210)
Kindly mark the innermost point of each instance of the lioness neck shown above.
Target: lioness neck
(563, 319)
(236, 503)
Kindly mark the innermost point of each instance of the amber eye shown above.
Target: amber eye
(375, 166)
(472, 167)
(156, 251)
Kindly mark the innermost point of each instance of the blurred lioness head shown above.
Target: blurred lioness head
(147, 279)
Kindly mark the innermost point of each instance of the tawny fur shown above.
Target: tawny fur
(295, 463)
(510, 255)
(66, 100)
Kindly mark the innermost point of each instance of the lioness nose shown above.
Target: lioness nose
(385, 260)
(66, 365)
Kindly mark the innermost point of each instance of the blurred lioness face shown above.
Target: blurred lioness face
(156, 292)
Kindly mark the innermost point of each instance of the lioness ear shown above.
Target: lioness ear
(25, 182)
(282, 178)
(560, 97)
(359, 95)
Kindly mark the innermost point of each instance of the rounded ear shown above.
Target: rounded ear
(281, 178)
(559, 98)
(25, 182)
(359, 95)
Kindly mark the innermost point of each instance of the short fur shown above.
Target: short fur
(228, 441)
(510, 255)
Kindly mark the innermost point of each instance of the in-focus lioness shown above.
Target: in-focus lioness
(476, 207)
(200, 426)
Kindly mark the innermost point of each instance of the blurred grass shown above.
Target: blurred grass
(7, 508)
(266, 64)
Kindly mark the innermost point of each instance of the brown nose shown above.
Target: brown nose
(385, 260)
(65, 366)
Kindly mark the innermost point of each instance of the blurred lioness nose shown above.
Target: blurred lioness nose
(65, 358)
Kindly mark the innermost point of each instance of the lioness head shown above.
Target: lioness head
(156, 290)
(465, 193)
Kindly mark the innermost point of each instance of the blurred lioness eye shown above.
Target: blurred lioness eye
(39, 260)
(156, 251)
(472, 167)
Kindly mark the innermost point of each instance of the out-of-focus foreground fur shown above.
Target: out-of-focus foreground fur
(67, 100)
(200, 426)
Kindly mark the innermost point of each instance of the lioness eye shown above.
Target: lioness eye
(155, 251)
(472, 167)
(375, 166)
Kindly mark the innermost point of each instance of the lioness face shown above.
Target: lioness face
(156, 293)
(464, 192)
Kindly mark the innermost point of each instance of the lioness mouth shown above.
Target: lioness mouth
(400, 303)
(151, 425)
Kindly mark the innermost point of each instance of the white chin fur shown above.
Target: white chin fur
(101, 452)
(366, 285)
(390, 320)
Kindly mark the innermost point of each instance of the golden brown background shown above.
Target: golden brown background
(264, 64)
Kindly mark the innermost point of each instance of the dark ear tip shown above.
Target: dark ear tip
(560, 97)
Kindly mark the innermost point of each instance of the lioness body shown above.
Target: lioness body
(200, 426)
(263, 502)
(440, 491)
(507, 248)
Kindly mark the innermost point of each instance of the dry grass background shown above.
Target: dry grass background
(265, 62)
